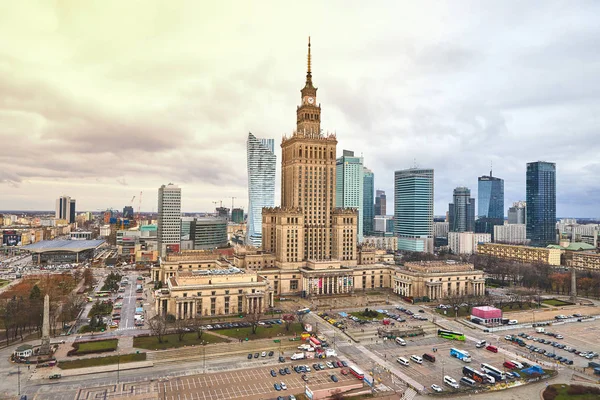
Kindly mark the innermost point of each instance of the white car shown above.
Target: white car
(329, 365)
(264, 354)
(283, 386)
(559, 336)
(436, 388)
(307, 368)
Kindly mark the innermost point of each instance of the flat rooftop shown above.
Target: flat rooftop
(73, 246)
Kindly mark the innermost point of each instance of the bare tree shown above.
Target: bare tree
(195, 324)
(253, 319)
(300, 318)
(289, 320)
(158, 327)
(181, 328)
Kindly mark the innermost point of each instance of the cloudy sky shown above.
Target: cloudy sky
(100, 100)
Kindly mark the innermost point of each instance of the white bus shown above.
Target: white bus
(488, 368)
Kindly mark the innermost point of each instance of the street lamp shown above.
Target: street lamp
(118, 366)
(19, 377)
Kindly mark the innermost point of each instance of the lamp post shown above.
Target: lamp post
(19, 377)
(204, 356)
(118, 366)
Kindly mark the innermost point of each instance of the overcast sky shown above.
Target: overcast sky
(100, 100)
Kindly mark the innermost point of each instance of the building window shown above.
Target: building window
(199, 294)
(213, 306)
(240, 304)
(185, 295)
(227, 292)
(213, 293)
(226, 304)
(294, 284)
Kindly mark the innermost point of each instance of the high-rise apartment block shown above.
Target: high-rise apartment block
(541, 203)
(349, 185)
(461, 212)
(237, 215)
(466, 242)
(490, 193)
(368, 201)
(169, 219)
(308, 228)
(261, 184)
(517, 214)
(510, 234)
(380, 203)
(65, 209)
(413, 209)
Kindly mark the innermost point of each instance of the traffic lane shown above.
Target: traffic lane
(249, 382)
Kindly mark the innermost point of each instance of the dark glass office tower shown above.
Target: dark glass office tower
(368, 201)
(541, 203)
(461, 212)
(490, 193)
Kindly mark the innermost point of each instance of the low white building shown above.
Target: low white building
(466, 242)
(510, 233)
(382, 242)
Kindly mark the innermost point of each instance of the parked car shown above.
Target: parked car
(334, 378)
(250, 356)
(55, 376)
(277, 386)
(436, 388)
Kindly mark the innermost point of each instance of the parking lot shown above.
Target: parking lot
(580, 336)
(246, 383)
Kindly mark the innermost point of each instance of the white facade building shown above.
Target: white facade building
(510, 233)
(466, 242)
(440, 229)
(169, 219)
(261, 184)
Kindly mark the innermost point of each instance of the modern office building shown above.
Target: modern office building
(349, 185)
(237, 215)
(383, 223)
(368, 201)
(490, 193)
(541, 203)
(169, 219)
(510, 234)
(461, 212)
(440, 229)
(380, 203)
(261, 184)
(517, 214)
(186, 227)
(209, 233)
(65, 209)
(413, 209)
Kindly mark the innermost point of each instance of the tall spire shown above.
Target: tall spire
(308, 72)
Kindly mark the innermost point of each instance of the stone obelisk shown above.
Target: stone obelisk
(45, 346)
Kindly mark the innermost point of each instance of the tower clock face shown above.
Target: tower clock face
(311, 100)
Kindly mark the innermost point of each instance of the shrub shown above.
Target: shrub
(550, 393)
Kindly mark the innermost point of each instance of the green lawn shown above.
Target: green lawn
(262, 332)
(94, 362)
(515, 307)
(569, 392)
(171, 341)
(358, 314)
(97, 346)
(556, 303)
(3, 282)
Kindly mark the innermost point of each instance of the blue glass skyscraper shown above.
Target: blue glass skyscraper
(490, 193)
(261, 184)
(541, 203)
(368, 201)
(413, 209)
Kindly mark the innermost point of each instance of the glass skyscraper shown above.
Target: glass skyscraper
(413, 209)
(541, 203)
(490, 194)
(368, 201)
(461, 213)
(261, 184)
(349, 185)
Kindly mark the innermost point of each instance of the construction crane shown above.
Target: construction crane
(139, 208)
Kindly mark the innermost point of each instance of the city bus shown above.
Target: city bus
(103, 293)
(451, 335)
(473, 374)
(303, 311)
(461, 355)
(357, 372)
(494, 371)
(314, 342)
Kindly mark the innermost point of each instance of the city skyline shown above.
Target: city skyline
(139, 108)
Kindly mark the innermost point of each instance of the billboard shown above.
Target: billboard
(172, 248)
(10, 238)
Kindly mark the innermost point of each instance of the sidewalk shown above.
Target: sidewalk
(44, 373)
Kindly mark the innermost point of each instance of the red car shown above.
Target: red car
(344, 372)
(491, 348)
(339, 364)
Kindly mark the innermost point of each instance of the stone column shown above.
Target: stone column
(45, 345)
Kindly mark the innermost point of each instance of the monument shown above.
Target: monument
(45, 346)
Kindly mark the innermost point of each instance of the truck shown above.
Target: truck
(297, 356)
(540, 330)
(330, 353)
(462, 355)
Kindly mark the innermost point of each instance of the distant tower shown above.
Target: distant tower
(350, 185)
(541, 203)
(461, 212)
(169, 219)
(45, 346)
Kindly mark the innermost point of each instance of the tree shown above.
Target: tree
(158, 327)
(288, 319)
(195, 324)
(300, 318)
(88, 278)
(35, 293)
(253, 319)
(181, 328)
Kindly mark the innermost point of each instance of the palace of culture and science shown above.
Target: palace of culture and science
(309, 247)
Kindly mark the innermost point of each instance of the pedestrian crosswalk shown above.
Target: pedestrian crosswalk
(126, 329)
